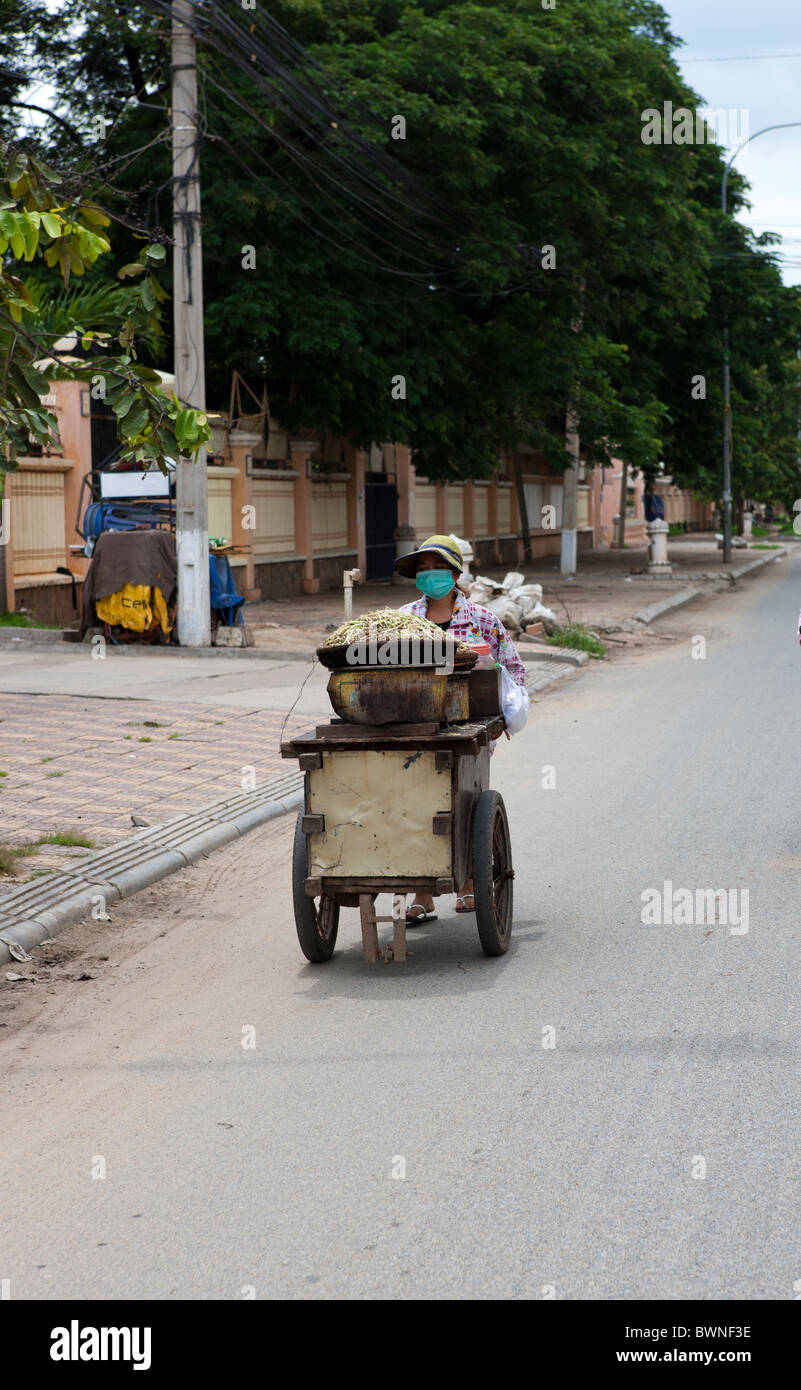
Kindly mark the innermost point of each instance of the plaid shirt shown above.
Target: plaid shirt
(471, 623)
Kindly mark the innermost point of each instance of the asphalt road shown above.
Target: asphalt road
(529, 1171)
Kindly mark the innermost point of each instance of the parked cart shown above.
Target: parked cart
(398, 808)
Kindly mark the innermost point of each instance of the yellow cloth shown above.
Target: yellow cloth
(135, 606)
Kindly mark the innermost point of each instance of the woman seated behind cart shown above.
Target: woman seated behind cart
(436, 567)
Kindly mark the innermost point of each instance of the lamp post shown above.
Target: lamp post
(785, 125)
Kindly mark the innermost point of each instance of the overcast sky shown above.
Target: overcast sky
(769, 89)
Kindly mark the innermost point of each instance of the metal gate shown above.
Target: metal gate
(104, 436)
(380, 522)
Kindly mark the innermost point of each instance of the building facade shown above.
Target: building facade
(296, 524)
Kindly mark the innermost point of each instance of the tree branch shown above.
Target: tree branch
(31, 106)
(137, 76)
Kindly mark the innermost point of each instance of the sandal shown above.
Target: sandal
(463, 900)
(422, 915)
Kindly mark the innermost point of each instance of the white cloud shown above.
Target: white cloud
(768, 89)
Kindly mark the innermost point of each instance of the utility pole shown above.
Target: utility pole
(624, 497)
(192, 508)
(522, 507)
(569, 546)
(726, 449)
(568, 558)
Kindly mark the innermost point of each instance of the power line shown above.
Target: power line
(744, 58)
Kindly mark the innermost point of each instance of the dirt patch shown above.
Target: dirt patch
(90, 955)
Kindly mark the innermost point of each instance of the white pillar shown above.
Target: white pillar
(657, 535)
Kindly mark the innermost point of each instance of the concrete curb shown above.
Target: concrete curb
(551, 676)
(569, 655)
(44, 907)
(31, 636)
(758, 563)
(647, 615)
(733, 575)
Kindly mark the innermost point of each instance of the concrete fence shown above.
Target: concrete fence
(295, 527)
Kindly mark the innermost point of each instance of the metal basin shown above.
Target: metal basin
(416, 695)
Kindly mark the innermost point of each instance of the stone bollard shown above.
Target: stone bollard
(405, 538)
(657, 537)
(467, 555)
(748, 525)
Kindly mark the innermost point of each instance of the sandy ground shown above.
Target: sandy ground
(524, 1167)
(89, 952)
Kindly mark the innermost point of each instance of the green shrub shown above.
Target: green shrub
(579, 637)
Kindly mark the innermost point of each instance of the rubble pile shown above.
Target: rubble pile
(514, 602)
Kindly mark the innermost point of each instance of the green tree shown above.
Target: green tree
(71, 235)
(424, 258)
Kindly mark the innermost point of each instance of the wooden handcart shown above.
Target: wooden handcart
(397, 809)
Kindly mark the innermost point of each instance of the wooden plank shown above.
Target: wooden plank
(350, 885)
(399, 928)
(461, 738)
(310, 762)
(369, 928)
(368, 733)
(470, 777)
(484, 691)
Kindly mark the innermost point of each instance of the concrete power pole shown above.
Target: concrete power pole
(569, 547)
(192, 508)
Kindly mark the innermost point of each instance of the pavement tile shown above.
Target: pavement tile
(107, 773)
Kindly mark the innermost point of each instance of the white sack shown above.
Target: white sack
(507, 611)
(525, 592)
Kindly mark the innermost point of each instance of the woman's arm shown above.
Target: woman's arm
(504, 650)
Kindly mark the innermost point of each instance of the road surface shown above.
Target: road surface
(401, 1131)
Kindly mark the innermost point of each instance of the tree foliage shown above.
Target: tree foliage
(71, 236)
(426, 307)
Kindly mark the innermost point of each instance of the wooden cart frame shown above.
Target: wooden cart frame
(397, 809)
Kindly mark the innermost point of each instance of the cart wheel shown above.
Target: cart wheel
(492, 873)
(316, 922)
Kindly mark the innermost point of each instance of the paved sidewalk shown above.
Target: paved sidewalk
(609, 587)
(84, 766)
(86, 745)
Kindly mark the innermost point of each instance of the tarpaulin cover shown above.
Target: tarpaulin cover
(129, 557)
(224, 597)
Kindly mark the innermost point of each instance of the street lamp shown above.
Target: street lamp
(786, 125)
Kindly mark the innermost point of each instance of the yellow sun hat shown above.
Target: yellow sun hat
(445, 546)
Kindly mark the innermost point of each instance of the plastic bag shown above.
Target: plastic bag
(515, 701)
(506, 611)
